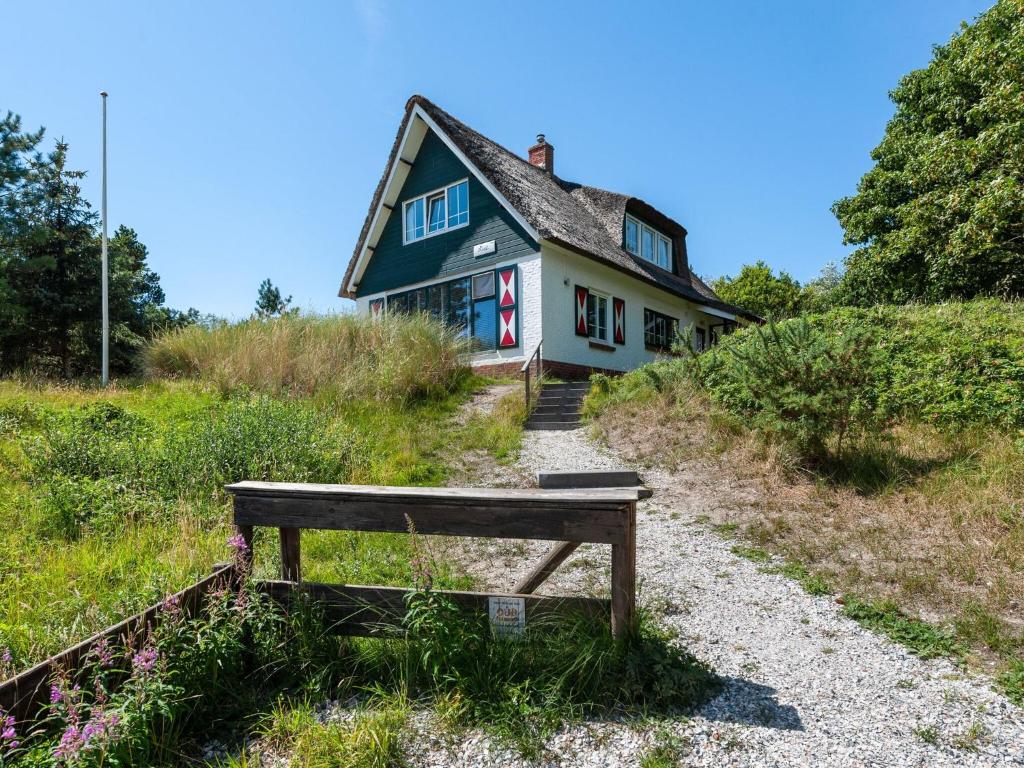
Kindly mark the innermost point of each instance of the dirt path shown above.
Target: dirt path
(804, 684)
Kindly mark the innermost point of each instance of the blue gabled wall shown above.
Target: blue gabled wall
(394, 265)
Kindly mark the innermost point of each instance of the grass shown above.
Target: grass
(669, 751)
(370, 739)
(110, 499)
(337, 357)
(919, 516)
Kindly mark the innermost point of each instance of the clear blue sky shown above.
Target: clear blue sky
(246, 138)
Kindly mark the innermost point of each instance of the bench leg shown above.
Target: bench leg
(624, 580)
(290, 554)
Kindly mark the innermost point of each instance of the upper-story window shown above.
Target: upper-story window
(648, 243)
(436, 212)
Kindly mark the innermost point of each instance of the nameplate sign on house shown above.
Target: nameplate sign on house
(508, 616)
(482, 249)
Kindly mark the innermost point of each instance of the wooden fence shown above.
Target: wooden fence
(570, 516)
(23, 695)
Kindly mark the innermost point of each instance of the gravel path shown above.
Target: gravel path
(804, 685)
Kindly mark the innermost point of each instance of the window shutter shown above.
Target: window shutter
(619, 320)
(507, 309)
(581, 311)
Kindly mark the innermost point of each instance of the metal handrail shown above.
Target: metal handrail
(526, 369)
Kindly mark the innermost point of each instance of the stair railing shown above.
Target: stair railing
(526, 370)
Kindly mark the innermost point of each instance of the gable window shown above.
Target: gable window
(436, 212)
(414, 220)
(597, 316)
(659, 329)
(632, 239)
(648, 243)
(435, 215)
(458, 204)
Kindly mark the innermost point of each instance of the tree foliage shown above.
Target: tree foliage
(941, 214)
(269, 302)
(758, 289)
(50, 268)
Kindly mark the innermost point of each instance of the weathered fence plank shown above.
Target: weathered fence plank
(529, 514)
(24, 694)
(291, 569)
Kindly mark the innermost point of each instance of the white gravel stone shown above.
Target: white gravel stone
(804, 684)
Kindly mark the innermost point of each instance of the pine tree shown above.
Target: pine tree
(269, 302)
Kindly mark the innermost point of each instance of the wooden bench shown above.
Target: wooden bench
(573, 516)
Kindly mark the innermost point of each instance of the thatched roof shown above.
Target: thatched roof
(583, 219)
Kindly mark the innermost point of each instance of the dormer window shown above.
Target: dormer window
(436, 212)
(648, 243)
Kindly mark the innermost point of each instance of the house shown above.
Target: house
(511, 253)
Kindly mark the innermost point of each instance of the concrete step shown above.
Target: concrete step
(555, 416)
(552, 425)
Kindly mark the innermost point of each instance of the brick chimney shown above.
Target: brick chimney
(542, 154)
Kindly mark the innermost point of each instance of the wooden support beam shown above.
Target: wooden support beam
(359, 610)
(615, 478)
(624, 580)
(554, 558)
(290, 554)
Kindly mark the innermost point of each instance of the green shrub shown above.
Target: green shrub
(808, 389)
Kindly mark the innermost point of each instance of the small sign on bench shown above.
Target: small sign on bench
(508, 616)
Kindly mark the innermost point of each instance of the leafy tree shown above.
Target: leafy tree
(823, 292)
(269, 302)
(941, 215)
(757, 289)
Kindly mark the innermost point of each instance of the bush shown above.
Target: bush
(338, 357)
(805, 388)
(103, 467)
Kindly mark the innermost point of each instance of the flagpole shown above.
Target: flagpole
(106, 311)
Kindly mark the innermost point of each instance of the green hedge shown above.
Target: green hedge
(951, 364)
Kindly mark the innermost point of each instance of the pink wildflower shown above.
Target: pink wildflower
(104, 653)
(71, 743)
(8, 736)
(237, 543)
(145, 660)
(56, 695)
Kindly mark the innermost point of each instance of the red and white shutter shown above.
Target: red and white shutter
(508, 328)
(581, 311)
(507, 287)
(376, 308)
(619, 321)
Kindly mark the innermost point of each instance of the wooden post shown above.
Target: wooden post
(545, 567)
(290, 554)
(624, 579)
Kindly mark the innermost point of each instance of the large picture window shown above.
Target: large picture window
(469, 305)
(648, 243)
(659, 329)
(435, 212)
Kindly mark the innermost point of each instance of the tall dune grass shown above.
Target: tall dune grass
(334, 356)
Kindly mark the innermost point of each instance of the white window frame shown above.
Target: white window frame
(426, 197)
(591, 327)
(656, 236)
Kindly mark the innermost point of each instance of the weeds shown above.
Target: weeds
(921, 638)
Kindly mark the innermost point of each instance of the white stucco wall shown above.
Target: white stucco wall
(528, 303)
(563, 270)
